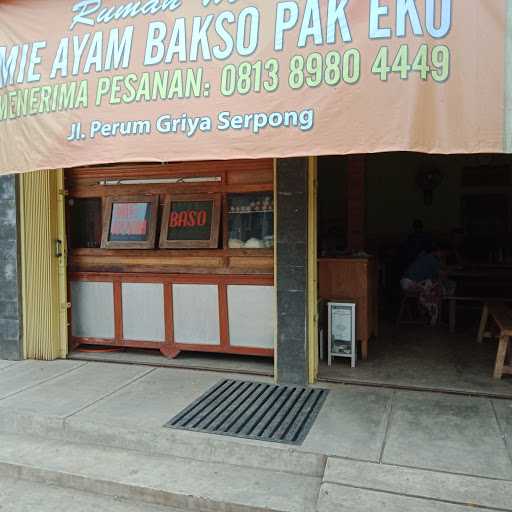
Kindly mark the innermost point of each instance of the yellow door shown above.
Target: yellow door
(312, 271)
(43, 260)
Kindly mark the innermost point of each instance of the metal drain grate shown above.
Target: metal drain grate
(253, 410)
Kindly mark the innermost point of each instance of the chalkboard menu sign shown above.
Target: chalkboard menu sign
(130, 222)
(191, 221)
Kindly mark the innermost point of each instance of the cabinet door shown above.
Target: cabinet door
(143, 312)
(92, 310)
(251, 316)
(196, 314)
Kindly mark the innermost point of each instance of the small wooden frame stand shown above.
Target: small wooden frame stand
(341, 319)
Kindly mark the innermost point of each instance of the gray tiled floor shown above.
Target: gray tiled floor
(152, 400)
(449, 433)
(27, 374)
(352, 423)
(68, 393)
(7, 364)
(503, 410)
(427, 358)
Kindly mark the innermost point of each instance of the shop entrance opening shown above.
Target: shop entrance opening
(419, 244)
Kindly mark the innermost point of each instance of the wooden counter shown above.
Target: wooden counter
(213, 293)
(356, 280)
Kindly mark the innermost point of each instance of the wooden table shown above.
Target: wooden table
(478, 283)
(502, 316)
(479, 274)
(452, 301)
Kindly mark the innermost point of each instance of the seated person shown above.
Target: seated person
(424, 276)
(417, 242)
(427, 265)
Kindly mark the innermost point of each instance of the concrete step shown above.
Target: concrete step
(165, 441)
(364, 484)
(155, 479)
(337, 498)
(18, 496)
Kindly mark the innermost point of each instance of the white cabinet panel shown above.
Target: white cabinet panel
(92, 309)
(196, 314)
(251, 316)
(143, 312)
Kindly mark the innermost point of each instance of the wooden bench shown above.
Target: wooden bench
(502, 315)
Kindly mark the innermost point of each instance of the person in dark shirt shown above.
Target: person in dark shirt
(426, 266)
(424, 276)
(417, 242)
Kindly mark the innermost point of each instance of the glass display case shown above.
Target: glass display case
(251, 221)
(85, 222)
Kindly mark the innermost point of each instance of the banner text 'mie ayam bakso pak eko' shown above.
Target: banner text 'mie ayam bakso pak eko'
(236, 78)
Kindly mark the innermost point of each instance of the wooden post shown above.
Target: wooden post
(483, 323)
(313, 356)
(356, 202)
(500, 356)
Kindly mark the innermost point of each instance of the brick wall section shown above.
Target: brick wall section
(356, 202)
(10, 294)
(292, 269)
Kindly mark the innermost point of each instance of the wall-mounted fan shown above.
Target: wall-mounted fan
(428, 180)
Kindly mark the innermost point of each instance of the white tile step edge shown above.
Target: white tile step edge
(165, 441)
(336, 498)
(17, 496)
(155, 479)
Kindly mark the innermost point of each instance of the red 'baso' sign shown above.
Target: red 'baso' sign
(190, 220)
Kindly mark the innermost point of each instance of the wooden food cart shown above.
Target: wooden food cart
(356, 280)
(174, 257)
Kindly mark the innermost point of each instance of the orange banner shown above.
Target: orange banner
(95, 81)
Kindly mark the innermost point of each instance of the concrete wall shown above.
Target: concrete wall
(10, 292)
(332, 206)
(394, 199)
